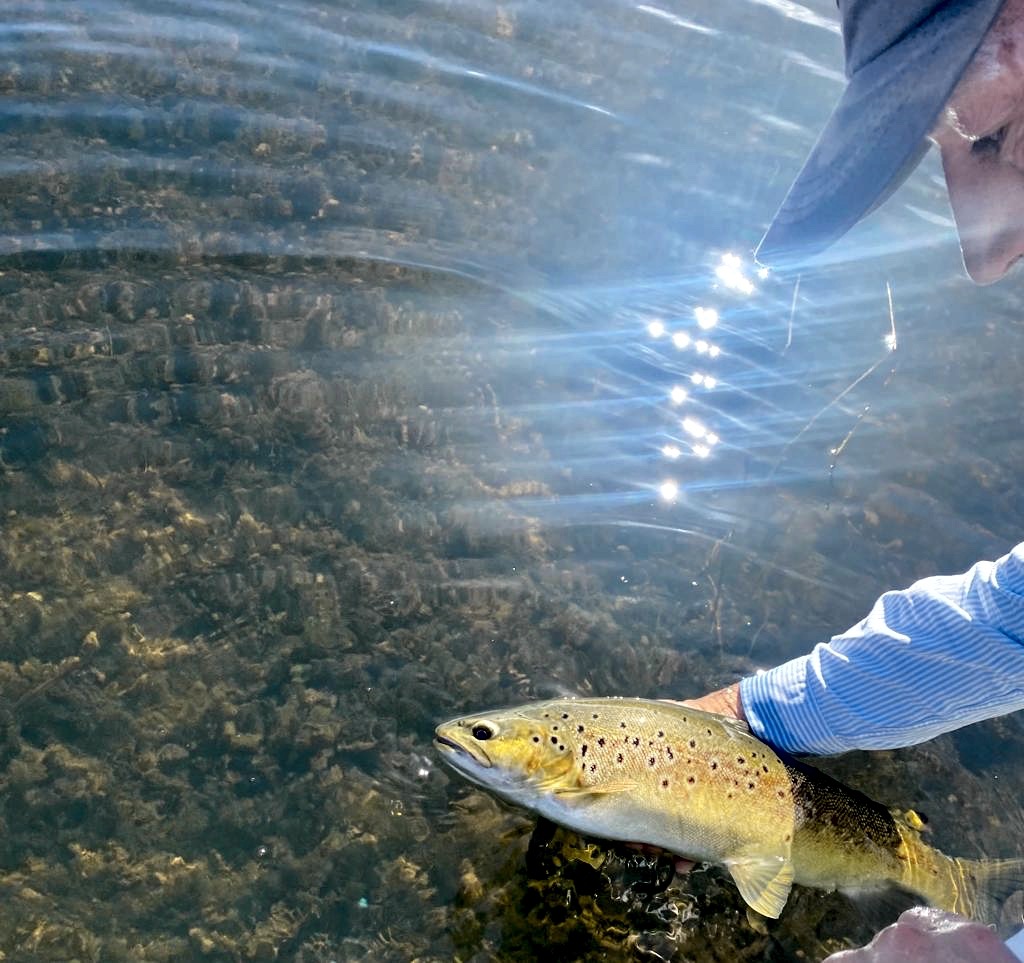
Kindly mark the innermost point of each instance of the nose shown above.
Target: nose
(987, 197)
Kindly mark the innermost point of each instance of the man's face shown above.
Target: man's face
(980, 135)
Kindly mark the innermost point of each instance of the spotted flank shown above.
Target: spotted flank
(703, 787)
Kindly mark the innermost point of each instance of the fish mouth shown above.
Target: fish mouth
(462, 753)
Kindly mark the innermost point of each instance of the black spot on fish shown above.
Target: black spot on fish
(651, 761)
(600, 741)
(714, 763)
(693, 743)
(740, 760)
(579, 728)
(593, 767)
(764, 767)
(622, 725)
(561, 748)
(554, 740)
(583, 751)
(661, 735)
(636, 741)
(750, 785)
(691, 779)
(618, 758)
(554, 728)
(536, 738)
(728, 795)
(669, 753)
(664, 784)
(781, 794)
(709, 732)
(546, 715)
(595, 715)
(565, 715)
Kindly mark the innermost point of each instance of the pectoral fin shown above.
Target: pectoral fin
(763, 881)
(603, 789)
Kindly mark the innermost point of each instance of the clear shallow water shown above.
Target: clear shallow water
(332, 407)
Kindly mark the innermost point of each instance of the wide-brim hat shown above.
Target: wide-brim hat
(903, 60)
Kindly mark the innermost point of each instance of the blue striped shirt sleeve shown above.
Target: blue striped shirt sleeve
(946, 652)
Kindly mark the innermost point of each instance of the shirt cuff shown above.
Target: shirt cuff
(780, 713)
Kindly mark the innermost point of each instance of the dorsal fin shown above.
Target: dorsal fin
(735, 726)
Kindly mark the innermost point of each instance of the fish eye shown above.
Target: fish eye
(482, 732)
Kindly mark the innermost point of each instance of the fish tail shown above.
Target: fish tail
(975, 888)
(980, 886)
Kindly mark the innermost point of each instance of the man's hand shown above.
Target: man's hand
(726, 702)
(932, 935)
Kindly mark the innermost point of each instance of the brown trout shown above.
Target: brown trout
(704, 787)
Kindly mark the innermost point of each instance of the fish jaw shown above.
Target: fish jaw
(470, 762)
(460, 754)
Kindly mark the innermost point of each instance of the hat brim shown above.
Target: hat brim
(877, 133)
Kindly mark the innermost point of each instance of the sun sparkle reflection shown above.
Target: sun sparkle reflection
(686, 326)
(730, 272)
(693, 427)
(707, 318)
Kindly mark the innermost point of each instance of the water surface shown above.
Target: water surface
(364, 364)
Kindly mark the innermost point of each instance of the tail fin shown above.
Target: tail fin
(982, 885)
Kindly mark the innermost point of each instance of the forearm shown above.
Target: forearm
(946, 652)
